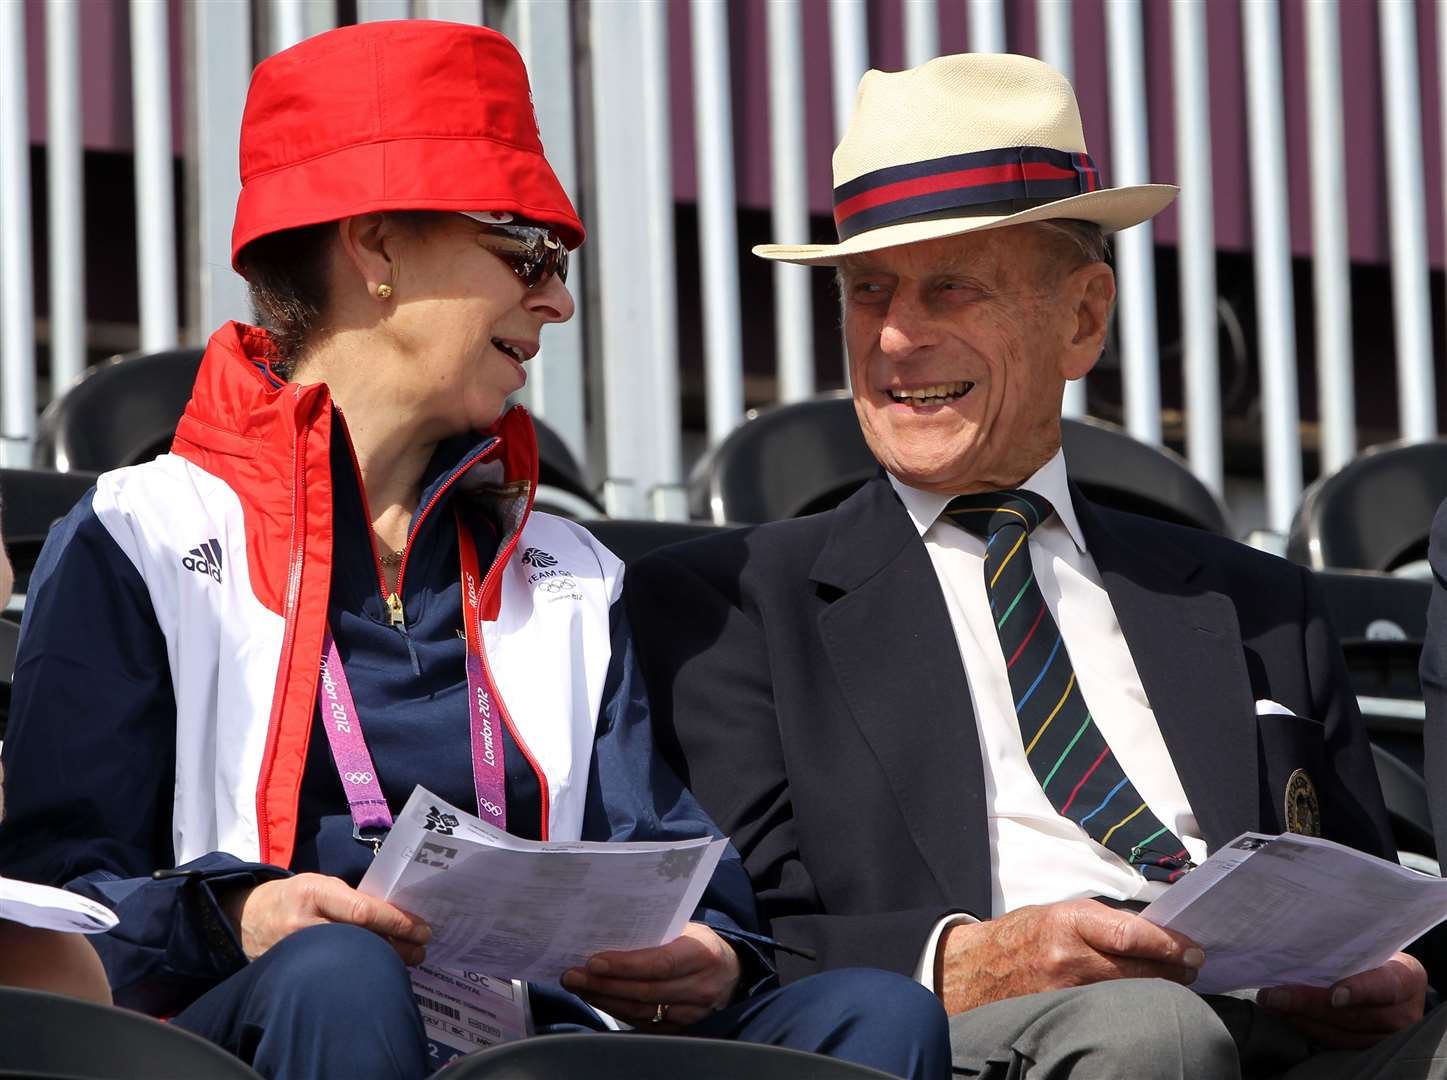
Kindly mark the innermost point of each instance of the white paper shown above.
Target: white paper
(530, 910)
(45, 908)
(1274, 910)
(465, 1011)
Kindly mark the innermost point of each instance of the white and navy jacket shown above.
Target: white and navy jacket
(165, 687)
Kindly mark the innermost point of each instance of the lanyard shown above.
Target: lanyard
(371, 818)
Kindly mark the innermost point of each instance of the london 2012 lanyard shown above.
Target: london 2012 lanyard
(371, 817)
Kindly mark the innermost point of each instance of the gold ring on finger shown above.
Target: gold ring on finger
(659, 1014)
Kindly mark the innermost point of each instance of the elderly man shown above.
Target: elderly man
(962, 724)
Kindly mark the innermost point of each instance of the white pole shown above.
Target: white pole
(1055, 32)
(1276, 318)
(987, 26)
(220, 73)
(1198, 241)
(1135, 253)
(288, 23)
(717, 219)
(1416, 389)
(1331, 267)
(634, 259)
(66, 193)
(17, 289)
(921, 31)
(467, 11)
(543, 32)
(376, 10)
(849, 55)
(793, 314)
(155, 184)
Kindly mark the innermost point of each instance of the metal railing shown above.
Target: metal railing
(615, 156)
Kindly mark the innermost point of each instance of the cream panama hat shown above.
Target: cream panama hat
(963, 143)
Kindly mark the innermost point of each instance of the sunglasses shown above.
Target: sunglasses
(533, 252)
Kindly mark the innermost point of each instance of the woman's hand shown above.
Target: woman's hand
(694, 975)
(274, 909)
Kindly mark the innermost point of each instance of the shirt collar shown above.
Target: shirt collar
(1050, 480)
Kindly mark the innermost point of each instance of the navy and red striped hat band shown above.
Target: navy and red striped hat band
(919, 189)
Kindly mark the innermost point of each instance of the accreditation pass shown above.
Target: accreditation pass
(465, 1011)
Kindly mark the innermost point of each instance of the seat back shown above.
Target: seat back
(121, 412)
(809, 456)
(631, 540)
(1375, 513)
(615, 1056)
(50, 1037)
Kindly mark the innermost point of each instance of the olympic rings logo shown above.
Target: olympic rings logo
(558, 585)
(492, 808)
(358, 777)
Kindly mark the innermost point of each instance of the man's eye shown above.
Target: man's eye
(867, 290)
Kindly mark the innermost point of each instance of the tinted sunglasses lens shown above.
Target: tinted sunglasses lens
(532, 252)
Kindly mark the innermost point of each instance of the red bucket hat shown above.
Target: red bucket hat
(406, 115)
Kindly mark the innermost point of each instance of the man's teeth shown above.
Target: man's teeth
(511, 350)
(933, 395)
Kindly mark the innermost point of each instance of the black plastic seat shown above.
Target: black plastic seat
(1364, 606)
(631, 540)
(801, 458)
(31, 501)
(49, 1037)
(649, 1057)
(1375, 513)
(119, 413)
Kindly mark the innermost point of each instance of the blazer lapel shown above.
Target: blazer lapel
(890, 641)
(1186, 645)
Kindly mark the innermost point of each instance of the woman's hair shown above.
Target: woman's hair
(288, 276)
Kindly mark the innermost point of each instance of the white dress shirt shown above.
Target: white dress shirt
(1037, 856)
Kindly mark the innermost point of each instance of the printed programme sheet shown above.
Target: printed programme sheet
(1272, 910)
(45, 908)
(504, 910)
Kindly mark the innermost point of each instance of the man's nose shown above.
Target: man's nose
(906, 328)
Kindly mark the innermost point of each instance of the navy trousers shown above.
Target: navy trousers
(335, 1001)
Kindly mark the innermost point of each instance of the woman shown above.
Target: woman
(328, 499)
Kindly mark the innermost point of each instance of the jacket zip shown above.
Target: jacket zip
(396, 616)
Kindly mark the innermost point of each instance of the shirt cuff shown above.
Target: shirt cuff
(924, 973)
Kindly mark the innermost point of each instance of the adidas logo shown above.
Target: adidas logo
(205, 559)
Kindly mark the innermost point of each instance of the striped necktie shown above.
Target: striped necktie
(1067, 753)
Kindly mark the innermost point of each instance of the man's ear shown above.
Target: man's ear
(1090, 293)
(368, 250)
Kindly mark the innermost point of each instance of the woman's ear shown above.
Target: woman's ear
(367, 243)
(1089, 292)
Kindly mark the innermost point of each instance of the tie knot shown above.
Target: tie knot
(987, 513)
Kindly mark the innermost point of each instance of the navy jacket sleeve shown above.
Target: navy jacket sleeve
(89, 772)
(634, 794)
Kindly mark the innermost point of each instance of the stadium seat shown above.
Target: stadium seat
(631, 540)
(562, 488)
(31, 501)
(49, 1037)
(648, 1057)
(119, 413)
(1375, 513)
(808, 456)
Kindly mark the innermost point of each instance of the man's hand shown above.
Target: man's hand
(1356, 1012)
(695, 974)
(275, 909)
(1055, 946)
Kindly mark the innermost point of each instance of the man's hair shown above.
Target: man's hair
(287, 276)
(1086, 240)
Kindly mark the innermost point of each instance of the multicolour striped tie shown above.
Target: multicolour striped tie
(1066, 751)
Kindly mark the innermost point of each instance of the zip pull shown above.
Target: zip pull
(395, 616)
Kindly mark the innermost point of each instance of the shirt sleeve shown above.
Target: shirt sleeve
(924, 972)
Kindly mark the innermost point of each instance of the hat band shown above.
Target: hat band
(903, 192)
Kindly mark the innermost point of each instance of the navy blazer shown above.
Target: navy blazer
(805, 679)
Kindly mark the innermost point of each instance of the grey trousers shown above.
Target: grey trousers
(1155, 1030)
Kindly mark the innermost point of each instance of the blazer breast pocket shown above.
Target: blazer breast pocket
(1293, 767)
